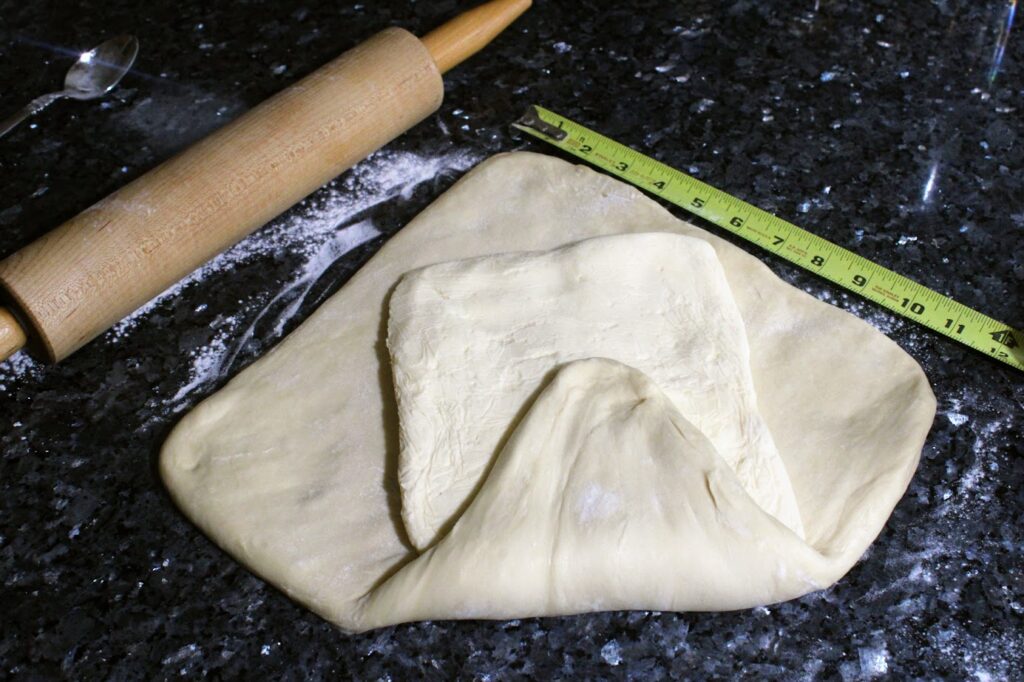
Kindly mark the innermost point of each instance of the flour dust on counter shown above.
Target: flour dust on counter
(959, 486)
(19, 367)
(214, 360)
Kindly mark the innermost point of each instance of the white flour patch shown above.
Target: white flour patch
(959, 490)
(986, 450)
(872, 313)
(991, 423)
(988, 657)
(208, 361)
(596, 504)
(19, 366)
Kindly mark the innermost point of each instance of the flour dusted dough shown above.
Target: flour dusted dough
(292, 467)
(472, 341)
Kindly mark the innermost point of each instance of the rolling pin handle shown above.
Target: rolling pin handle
(456, 41)
(12, 335)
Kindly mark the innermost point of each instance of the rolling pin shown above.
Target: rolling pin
(75, 282)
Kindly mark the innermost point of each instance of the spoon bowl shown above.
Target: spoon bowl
(97, 71)
(94, 74)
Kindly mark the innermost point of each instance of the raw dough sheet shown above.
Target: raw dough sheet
(293, 466)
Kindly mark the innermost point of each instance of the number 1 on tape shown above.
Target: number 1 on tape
(843, 267)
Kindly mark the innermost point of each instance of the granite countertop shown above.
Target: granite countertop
(895, 129)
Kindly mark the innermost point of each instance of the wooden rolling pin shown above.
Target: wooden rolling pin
(77, 281)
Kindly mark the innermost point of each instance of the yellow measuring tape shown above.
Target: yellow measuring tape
(886, 288)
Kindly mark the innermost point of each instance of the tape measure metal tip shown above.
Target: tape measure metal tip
(531, 120)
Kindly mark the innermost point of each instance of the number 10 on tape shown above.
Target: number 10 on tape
(843, 267)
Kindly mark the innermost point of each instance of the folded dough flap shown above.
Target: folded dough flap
(472, 341)
(604, 497)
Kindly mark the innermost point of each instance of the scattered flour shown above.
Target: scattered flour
(217, 357)
(872, 313)
(320, 235)
(597, 504)
(959, 485)
(208, 361)
(988, 657)
(19, 366)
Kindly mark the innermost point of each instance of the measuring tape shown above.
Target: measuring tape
(814, 254)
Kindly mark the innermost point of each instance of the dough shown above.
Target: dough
(472, 341)
(292, 466)
(605, 497)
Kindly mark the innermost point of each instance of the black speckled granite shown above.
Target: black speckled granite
(833, 113)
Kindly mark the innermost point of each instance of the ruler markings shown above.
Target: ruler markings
(805, 249)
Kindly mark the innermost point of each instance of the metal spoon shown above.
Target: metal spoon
(94, 74)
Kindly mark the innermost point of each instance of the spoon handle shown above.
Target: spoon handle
(30, 109)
